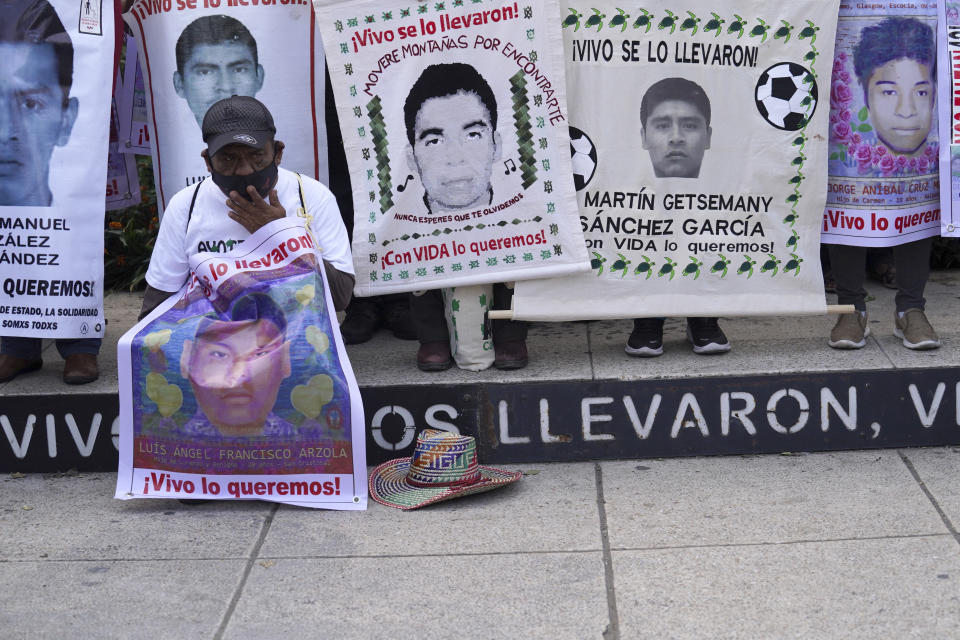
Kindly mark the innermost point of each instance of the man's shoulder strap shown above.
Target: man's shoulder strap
(303, 204)
(193, 201)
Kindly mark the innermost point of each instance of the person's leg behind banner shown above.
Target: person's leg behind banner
(912, 262)
(509, 336)
(426, 308)
(849, 270)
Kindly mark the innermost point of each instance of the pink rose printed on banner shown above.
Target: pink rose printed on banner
(853, 141)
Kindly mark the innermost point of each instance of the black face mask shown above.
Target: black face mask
(263, 180)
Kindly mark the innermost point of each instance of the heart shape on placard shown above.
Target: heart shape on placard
(309, 398)
(157, 339)
(167, 397)
(318, 339)
(305, 294)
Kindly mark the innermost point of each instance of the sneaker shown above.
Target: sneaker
(646, 339)
(915, 330)
(706, 336)
(850, 332)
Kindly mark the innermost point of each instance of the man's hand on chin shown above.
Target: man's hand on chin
(256, 212)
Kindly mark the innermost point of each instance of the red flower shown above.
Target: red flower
(840, 94)
(841, 130)
(887, 164)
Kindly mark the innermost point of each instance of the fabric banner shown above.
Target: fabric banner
(948, 88)
(123, 183)
(194, 54)
(55, 86)
(697, 138)
(240, 387)
(453, 116)
(132, 104)
(884, 186)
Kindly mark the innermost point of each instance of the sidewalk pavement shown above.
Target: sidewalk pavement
(857, 544)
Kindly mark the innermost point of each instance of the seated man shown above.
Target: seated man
(243, 160)
(675, 121)
(451, 120)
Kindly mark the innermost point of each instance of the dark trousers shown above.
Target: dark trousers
(912, 261)
(428, 315)
(30, 348)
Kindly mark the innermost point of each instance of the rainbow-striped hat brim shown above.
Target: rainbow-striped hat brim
(443, 466)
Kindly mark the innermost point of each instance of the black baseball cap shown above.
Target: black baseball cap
(238, 119)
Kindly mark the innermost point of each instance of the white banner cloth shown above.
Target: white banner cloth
(193, 56)
(53, 167)
(453, 116)
(884, 187)
(698, 138)
(239, 387)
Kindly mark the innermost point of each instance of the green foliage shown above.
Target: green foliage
(130, 234)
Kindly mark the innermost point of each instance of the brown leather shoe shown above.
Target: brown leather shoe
(80, 368)
(434, 356)
(11, 366)
(510, 355)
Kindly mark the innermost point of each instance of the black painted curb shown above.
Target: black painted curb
(570, 421)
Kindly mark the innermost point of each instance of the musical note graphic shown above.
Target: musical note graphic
(511, 167)
(403, 187)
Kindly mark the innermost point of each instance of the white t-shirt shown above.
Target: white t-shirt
(211, 229)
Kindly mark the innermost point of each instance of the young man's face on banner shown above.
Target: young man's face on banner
(676, 135)
(235, 369)
(35, 117)
(214, 72)
(900, 98)
(453, 150)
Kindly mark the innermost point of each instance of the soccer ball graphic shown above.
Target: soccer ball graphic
(583, 157)
(786, 96)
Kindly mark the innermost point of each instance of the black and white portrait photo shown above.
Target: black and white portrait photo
(38, 113)
(675, 116)
(451, 123)
(216, 58)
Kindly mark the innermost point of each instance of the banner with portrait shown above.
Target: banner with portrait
(453, 117)
(132, 104)
(884, 186)
(196, 53)
(240, 387)
(948, 90)
(123, 183)
(697, 142)
(55, 89)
